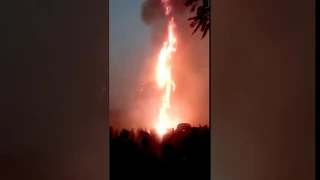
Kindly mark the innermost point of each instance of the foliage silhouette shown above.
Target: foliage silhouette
(145, 156)
(201, 21)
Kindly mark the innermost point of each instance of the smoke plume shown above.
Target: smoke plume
(153, 15)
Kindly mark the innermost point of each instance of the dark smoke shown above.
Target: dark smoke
(153, 10)
(190, 64)
(153, 15)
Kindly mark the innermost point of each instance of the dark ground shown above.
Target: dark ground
(142, 155)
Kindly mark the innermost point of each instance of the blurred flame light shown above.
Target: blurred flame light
(163, 75)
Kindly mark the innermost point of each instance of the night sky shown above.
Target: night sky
(137, 32)
(129, 50)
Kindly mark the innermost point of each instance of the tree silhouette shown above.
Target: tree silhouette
(202, 18)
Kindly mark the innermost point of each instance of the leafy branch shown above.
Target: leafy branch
(201, 21)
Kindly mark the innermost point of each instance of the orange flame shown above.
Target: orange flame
(163, 75)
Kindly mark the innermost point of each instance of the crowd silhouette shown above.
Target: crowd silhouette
(182, 153)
